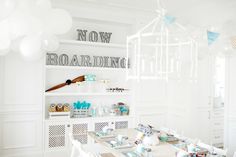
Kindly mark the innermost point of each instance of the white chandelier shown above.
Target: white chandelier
(162, 49)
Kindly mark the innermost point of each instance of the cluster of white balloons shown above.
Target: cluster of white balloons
(31, 26)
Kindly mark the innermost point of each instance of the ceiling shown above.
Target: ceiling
(196, 12)
(199, 13)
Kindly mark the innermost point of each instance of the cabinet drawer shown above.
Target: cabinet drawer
(218, 116)
(217, 137)
(218, 145)
(217, 141)
(217, 125)
(218, 113)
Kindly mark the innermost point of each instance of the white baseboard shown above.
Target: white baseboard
(28, 154)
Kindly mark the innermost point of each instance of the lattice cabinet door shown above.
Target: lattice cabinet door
(56, 135)
(80, 131)
(99, 125)
(121, 124)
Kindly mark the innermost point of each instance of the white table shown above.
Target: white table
(161, 150)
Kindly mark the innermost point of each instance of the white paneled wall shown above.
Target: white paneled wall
(150, 100)
(182, 105)
(21, 134)
(20, 79)
(21, 107)
(188, 104)
(1, 79)
(230, 110)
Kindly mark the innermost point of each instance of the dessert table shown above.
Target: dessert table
(163, 149)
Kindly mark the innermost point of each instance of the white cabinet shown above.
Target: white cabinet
(57, 132)
(191, 106)
(218, 103)
(217, 138)
(230, 106)
(211, 118)
(94, 93)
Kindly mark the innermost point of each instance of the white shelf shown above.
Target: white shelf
(48, 94)
(82, 68)
(102, 118)
(93, 44)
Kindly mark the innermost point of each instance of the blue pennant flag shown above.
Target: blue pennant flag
(212, 36)
(90, 77)
(169, 19)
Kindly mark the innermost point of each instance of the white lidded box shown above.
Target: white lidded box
(58, 115)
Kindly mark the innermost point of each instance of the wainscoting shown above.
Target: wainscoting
(21, 134)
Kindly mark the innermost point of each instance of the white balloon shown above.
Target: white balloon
(18, 24)
(22, 24)
(30, 48)
(41, 12)
(58, 22)
(49, 42)
(34, 25)
(6, 8)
